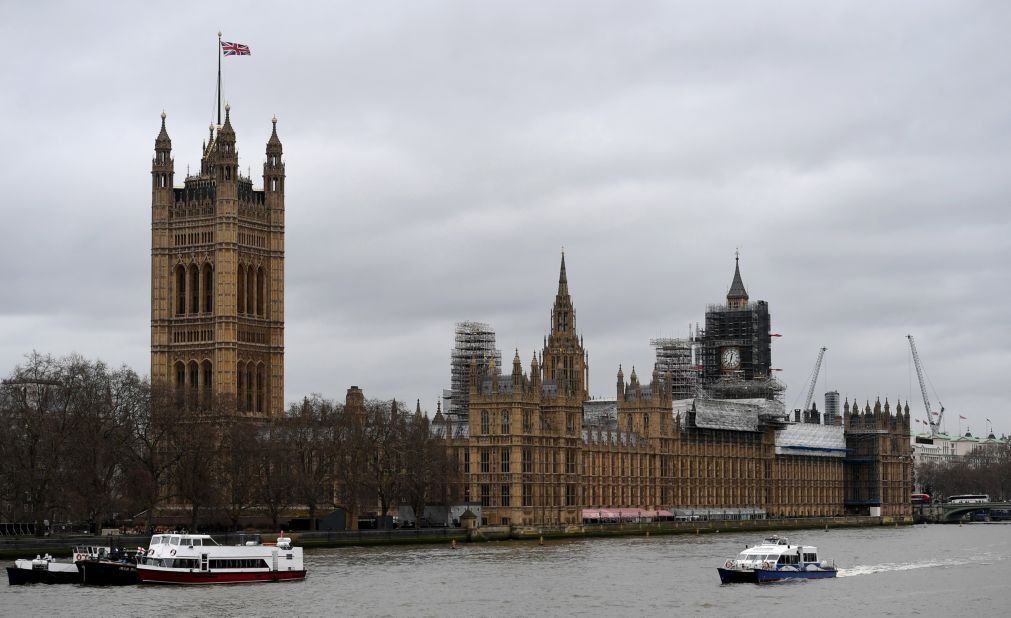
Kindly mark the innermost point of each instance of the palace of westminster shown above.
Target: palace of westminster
(708, 432)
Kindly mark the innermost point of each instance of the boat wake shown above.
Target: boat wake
(895, 566)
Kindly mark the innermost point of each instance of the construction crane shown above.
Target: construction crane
(814, 380)
(935, 426)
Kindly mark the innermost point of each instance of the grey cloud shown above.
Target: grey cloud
(440, 154)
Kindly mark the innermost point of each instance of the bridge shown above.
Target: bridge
(947, 512)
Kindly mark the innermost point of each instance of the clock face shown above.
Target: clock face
(731, 358)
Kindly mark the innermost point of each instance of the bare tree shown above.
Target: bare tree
(237, 457)
(386, 431)
(310, 432)
(429, 470)
(94, 478)
(352, 450)
(197, 439)
(272, 467)
(38, 415)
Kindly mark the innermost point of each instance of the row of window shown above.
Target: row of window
(551, 464)
(504, 497)
(194, 289)
(239, 563)
(194, 375)
(252, 287)
(251, 383)
(527, 422)
(194, 238)
(192, 335)
(253, 240)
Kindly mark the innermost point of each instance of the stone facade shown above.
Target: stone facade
(217, 275)
(535, 449)
(879, 470)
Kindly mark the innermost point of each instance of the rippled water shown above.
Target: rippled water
(929, 571)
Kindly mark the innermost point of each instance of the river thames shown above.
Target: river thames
(930, 571)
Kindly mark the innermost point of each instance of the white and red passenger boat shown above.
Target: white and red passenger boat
(197, 559)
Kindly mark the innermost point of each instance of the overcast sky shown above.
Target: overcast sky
(440, 154)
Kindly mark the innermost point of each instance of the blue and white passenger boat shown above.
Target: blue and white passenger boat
(775, 559)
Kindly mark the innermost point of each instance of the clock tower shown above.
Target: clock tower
(737, 342)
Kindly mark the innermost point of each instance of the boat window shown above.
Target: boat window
(197, 542)
(209, 541)
(155, 540)
(174, 540)
(743, 556)
(810, 557)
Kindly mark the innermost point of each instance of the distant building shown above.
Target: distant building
(832, 416)
(536, 449)
(943, 448)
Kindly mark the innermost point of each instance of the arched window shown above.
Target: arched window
(208, 376)
(180, 375)
(260, 384)
(194, 289)
(505, 421)
(180, 290)
(241, 386)
(251, 291)
(194, 377)
(240, 297)
(250, 386)
(260, 308)
(484, 421)
(208, 289)
(645, 422)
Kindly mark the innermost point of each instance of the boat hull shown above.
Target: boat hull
(106, 573)
(163, 576)
(737, 576)
(772, 575)
(18, 576)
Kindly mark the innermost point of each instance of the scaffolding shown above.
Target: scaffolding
(745, 328)
(475, 342)
(676, 361)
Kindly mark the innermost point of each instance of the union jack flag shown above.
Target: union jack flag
(234, 49)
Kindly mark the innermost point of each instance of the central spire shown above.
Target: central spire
(564, 361)
(563, 319)
(563, 282)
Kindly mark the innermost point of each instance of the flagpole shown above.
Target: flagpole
(219, 78)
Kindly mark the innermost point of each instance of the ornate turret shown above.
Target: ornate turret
(517, 372)
(273, 167)
(621, 383)
(162, 166)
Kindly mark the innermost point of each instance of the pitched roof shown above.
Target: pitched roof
(737, 287)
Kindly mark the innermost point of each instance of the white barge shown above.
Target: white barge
(198, 559)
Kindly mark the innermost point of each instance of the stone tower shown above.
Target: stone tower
(217, 276)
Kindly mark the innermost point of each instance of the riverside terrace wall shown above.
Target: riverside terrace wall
(25, 547)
